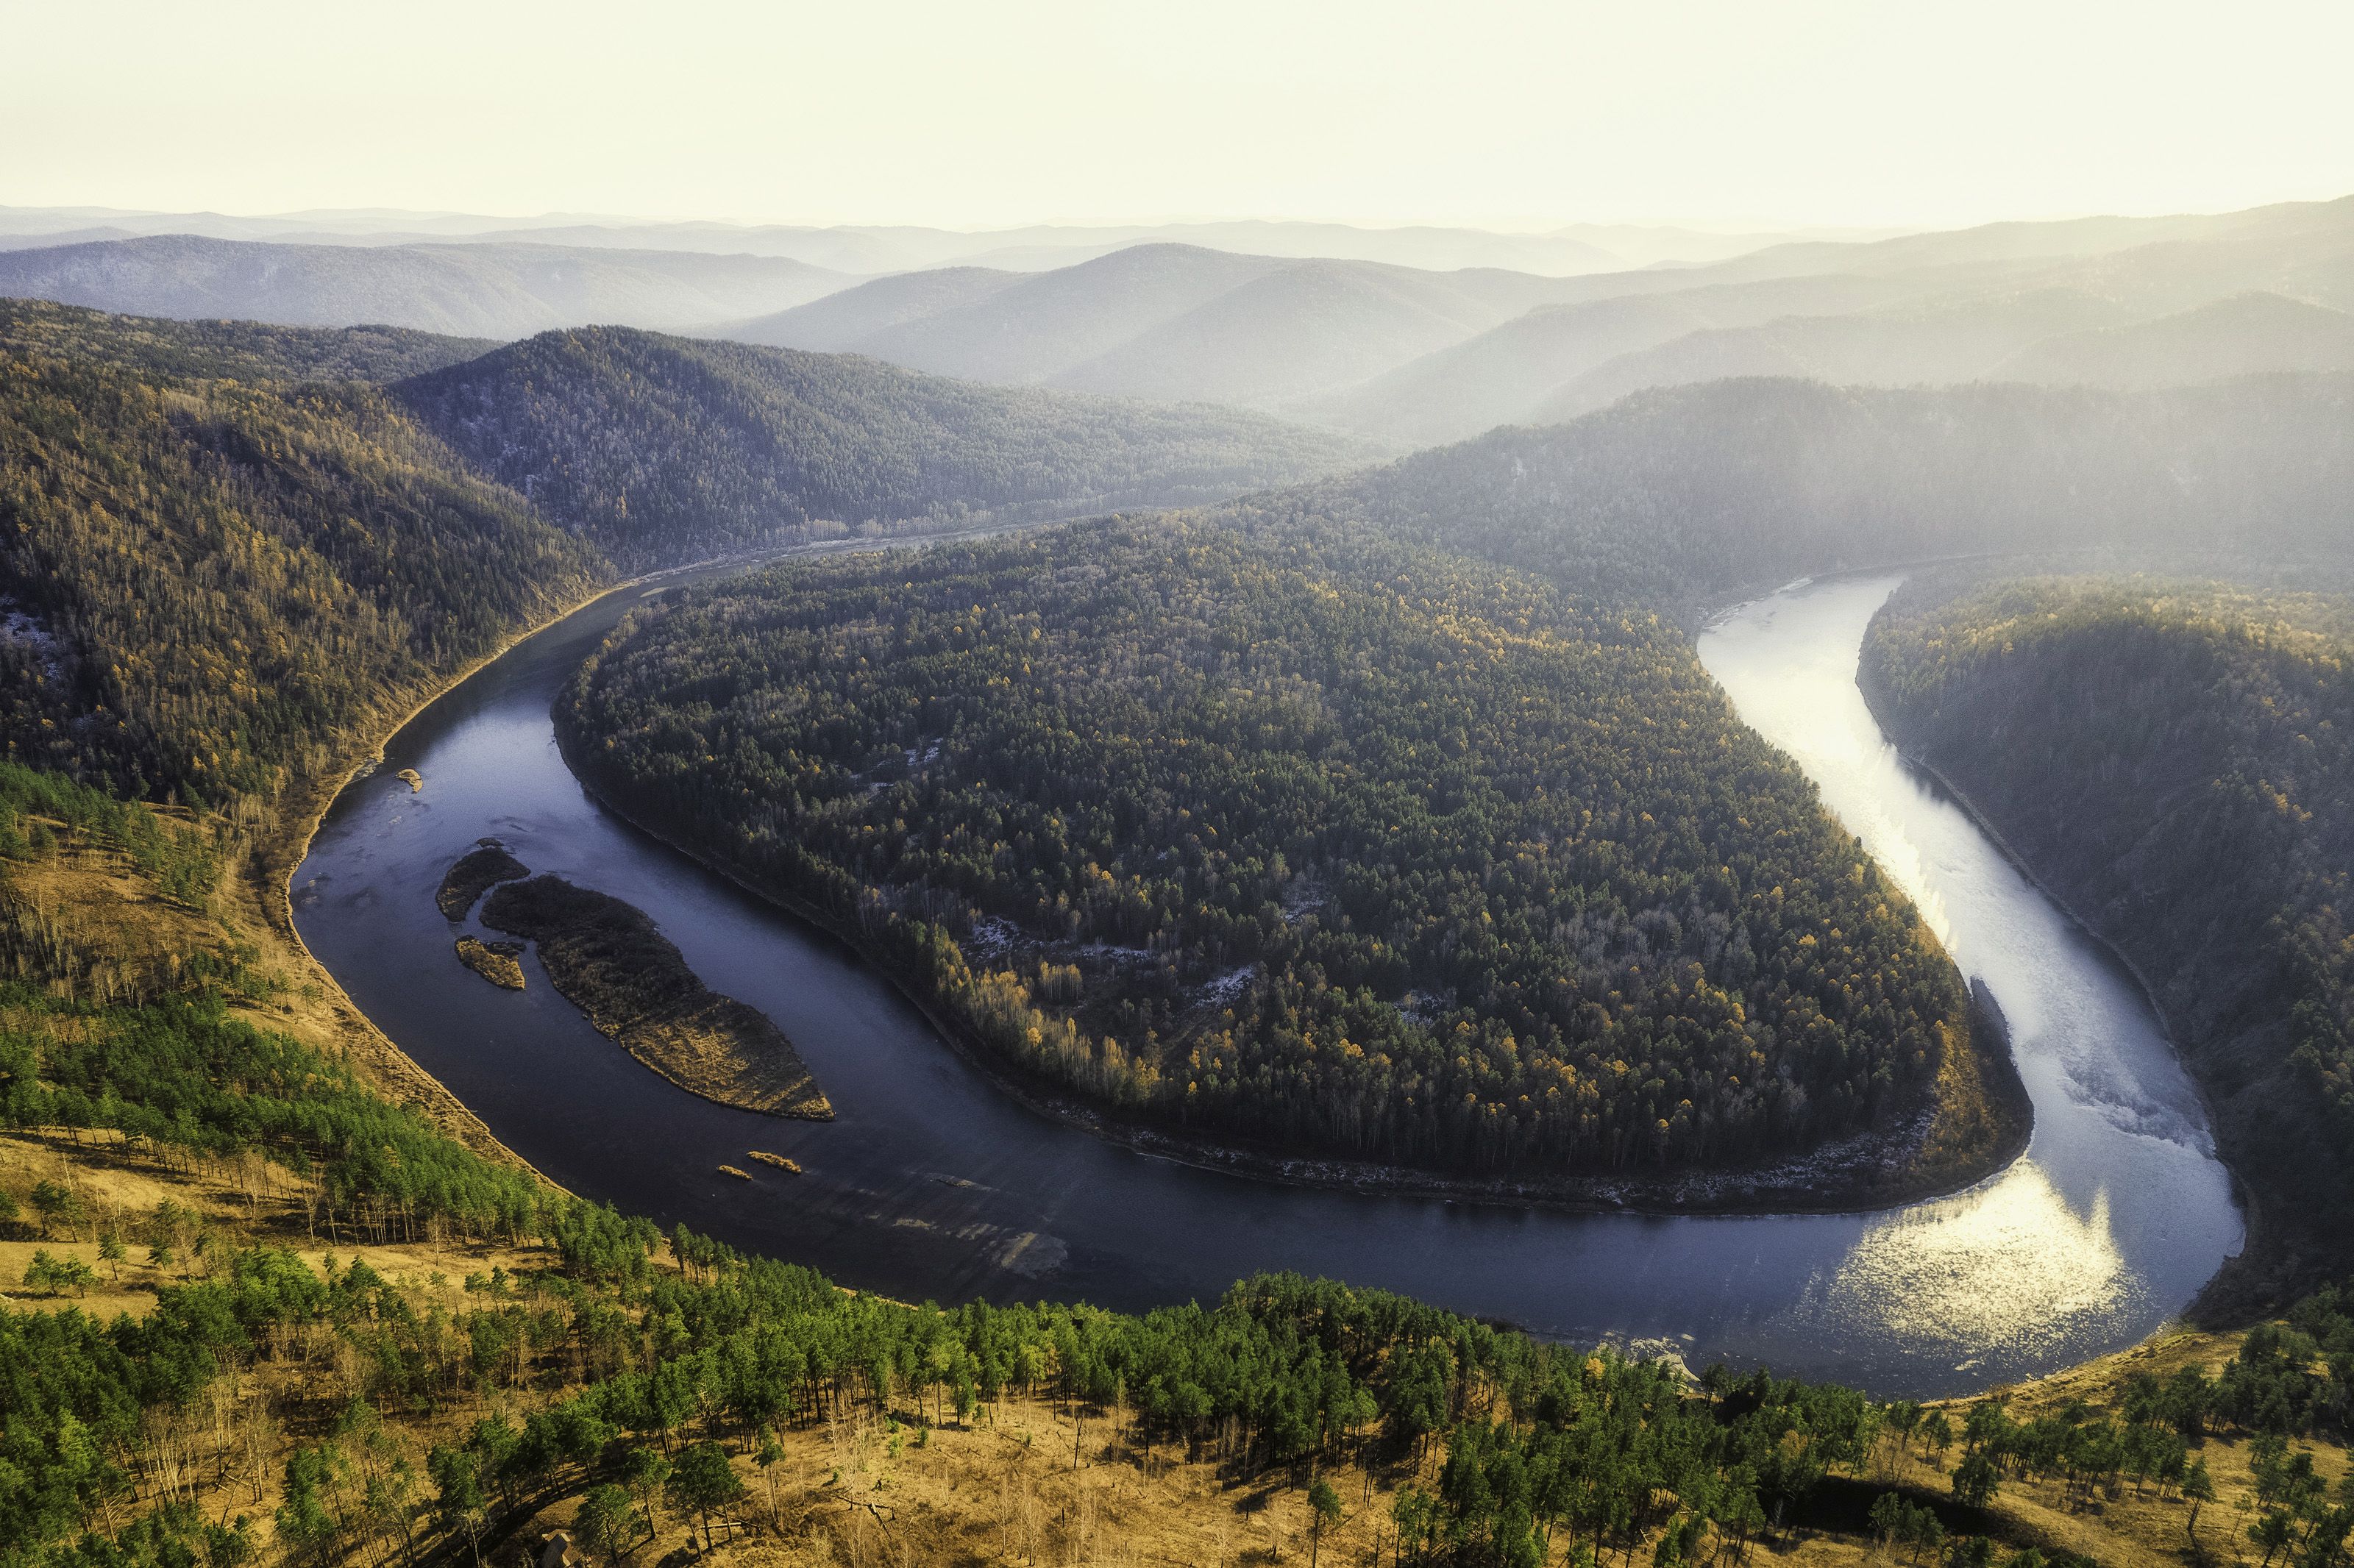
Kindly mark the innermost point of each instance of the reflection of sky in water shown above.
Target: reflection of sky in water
(2121, 1163)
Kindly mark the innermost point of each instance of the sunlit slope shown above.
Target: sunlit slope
(211, 583)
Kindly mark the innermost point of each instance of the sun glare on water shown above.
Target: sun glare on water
(2004, 1268)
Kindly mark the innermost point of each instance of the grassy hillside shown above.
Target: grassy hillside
(502, 291)
(2174, 759)
(663, 449)
(1289, 837)
(211, 584)
(259, 1311)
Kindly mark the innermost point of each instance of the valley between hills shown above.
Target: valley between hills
(1259, 794)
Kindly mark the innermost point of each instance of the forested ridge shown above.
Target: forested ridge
(228, 350)
(1296, 834)
(2174, 758)
(665, 448)
(1681, 496)
(208, 581)
(223, 544)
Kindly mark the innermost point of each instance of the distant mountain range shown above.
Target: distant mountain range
(904, 248)
(1406, 355)
(501, 290)
(1164, 320)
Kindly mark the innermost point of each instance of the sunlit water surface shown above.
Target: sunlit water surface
(930, 1183)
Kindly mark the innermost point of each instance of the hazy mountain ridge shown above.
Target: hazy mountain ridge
(2244, 335)
(1943, 343)
(2304, 250)
(1166, 321)
(1503, 376)
(1402, 353)
(232, 351)
(1420, 356)
(663, 449)
(1679, 495)
(477, 290)
(893, 248)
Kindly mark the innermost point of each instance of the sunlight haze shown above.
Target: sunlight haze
(1506, 115)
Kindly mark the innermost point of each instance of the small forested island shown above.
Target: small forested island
(497, 962)
(2176, 759)
(473, 873)
(608, 960)
(1303, 838)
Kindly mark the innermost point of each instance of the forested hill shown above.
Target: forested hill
(664, 448)
(1683, 493)
(2177, 761)
(205, 582)
(1298, 835)
(223, 544)
(226, 350)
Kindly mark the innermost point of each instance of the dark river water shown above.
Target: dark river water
(932, 1184)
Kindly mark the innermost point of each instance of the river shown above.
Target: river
(933, 1184)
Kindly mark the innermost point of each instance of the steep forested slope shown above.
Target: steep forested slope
(1294, 834)
(207, 582)
(1683, 493)
(666, 449)
(2177, 761)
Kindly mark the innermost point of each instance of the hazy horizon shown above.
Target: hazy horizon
(1510, 117)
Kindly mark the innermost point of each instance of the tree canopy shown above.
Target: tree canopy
(1293, 834)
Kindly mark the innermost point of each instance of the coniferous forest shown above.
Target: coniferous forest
(666, 449)
(1293, 835)
(225, 543)
(2173, 756)
(1388, 816)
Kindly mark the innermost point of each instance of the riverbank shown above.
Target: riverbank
(631, 981)
(1876, 1170)
(272, 847)
(934, 1171)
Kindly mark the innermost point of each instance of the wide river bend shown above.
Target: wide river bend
(933, 1184)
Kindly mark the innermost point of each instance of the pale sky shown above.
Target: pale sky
(993, 112)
